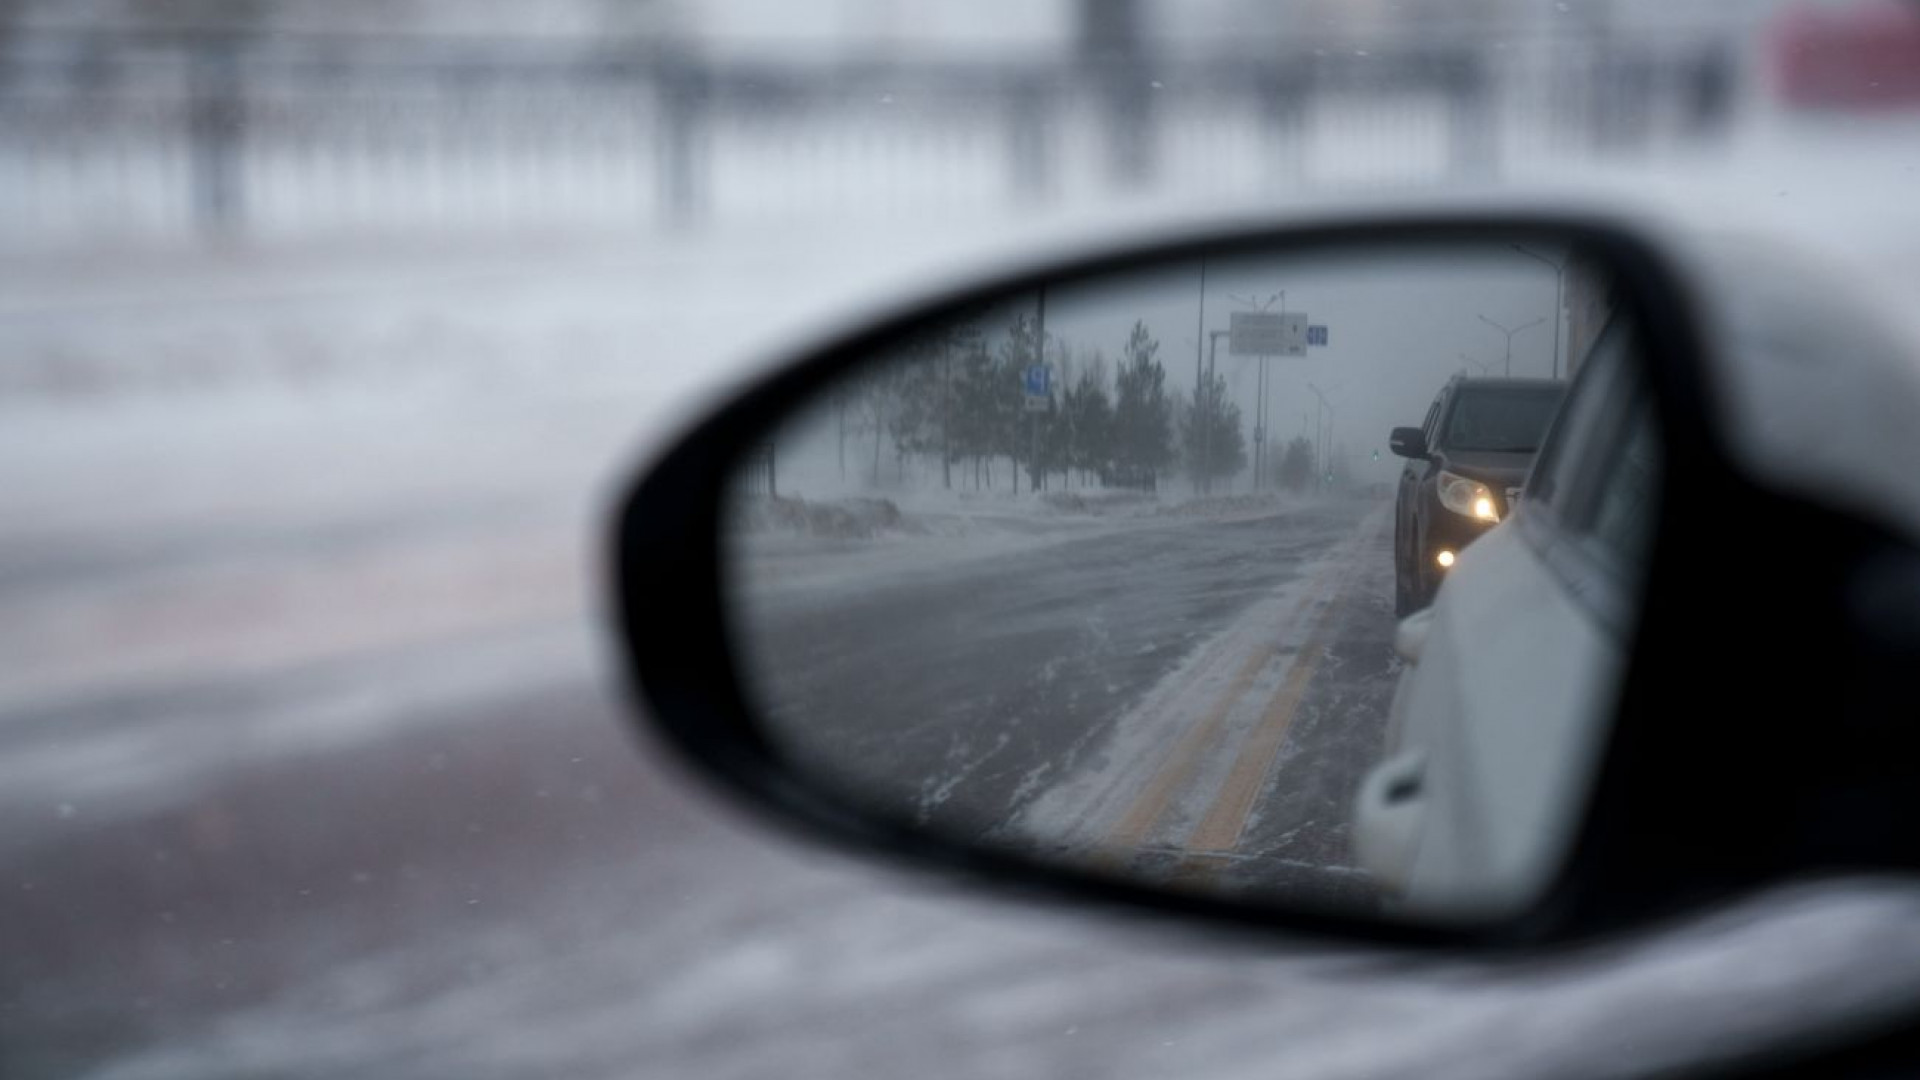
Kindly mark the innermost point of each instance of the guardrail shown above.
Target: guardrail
(222, 134)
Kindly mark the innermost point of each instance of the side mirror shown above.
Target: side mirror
(1041, 597)
(1408, 442)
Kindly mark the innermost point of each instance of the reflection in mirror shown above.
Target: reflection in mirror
(1302, 576)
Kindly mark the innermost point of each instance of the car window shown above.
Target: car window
(1500, 420)
(1429, 426)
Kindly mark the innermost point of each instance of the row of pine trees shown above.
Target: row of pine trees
(954, 396)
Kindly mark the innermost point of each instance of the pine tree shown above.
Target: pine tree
(1142, 413)
(1087, 421)
(986, 406)
(1296, 466)
(1018, 435)
(1212, 444)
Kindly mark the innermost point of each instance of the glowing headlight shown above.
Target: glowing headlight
(1468, 498)
(1445, 559)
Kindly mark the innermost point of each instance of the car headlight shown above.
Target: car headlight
(1468, 498)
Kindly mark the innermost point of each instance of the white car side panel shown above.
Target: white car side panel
(1507, 708)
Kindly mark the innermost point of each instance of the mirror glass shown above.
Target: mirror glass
(1129, 573)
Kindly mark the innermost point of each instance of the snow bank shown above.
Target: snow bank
(1097, 502)
(841, 519)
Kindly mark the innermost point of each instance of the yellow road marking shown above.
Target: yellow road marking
(1181, 763)
(1225, 822)
(1226, 819)
(1178, 769)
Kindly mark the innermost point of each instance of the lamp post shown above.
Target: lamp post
(1200, 325)
(1510, 331)
(1559, 297)
(1322, 457)
(1207, 418)
(1260, 400)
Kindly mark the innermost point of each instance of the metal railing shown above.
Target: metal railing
(216, 134)
(753, 475)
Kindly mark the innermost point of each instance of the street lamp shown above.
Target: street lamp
(1510, 331)
(1559, 297)
(1207, 418)
(1321, 457)
(1260, 401)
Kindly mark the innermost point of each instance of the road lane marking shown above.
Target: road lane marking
(1226, 819)
(1183, 761)
(1221, 830)
(1177, 770)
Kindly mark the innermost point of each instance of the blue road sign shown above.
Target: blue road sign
(1316, 335)
(1039, 381)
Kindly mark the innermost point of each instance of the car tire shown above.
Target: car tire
(1403, 598)
(1420, 593)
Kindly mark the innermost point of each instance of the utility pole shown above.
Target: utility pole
(1559, 297)
(946, 413)
(1260, 402)
(1510, 332)
(1199, 330)
(1267, 384)
(1259, 428)
(1206, 425)
(1323, 447)
(1039, 360)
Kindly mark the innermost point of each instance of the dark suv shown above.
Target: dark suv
(1465, 465)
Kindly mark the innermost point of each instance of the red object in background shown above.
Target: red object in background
(1863, 55)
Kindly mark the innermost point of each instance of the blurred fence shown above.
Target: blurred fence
(171, 134)
(754, 474)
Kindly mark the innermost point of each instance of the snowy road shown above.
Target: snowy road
(1197, 695)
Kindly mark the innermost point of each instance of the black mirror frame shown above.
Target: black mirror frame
(665, 555)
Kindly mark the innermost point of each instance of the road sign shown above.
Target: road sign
(1316, 335)
(1038, 385)
(1262, 333)
(1039, 381)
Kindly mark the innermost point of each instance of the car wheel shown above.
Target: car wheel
(1403, 598)
(1423, 586)
(1425, 581)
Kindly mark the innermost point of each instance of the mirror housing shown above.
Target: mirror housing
(1408, 442)
(1649, 844)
